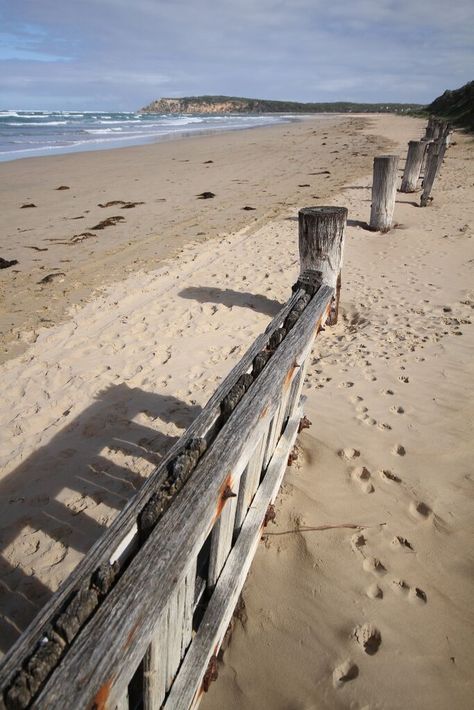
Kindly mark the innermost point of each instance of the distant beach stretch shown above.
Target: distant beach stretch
(33, 133)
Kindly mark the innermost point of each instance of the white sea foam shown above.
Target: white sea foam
(100, 131)
(35, 123)
(22, 133)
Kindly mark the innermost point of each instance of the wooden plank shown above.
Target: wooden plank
(249, 481)
(154, 667)
(175, 625)
(169, 643)
(123, 702)
(221, 539)
(189, 606)
(101, 660)
(120, 539)
(186, 691)
(270, 437)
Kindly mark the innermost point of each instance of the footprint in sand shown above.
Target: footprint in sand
(344, 672)
(420, 510)
(361, 474)
(373, 565)
(389, 477)
(374, 591)
(349, 454)
(39, 501)
(358, 541)
(368, 637)
(417, 596)
(399, 450)
(401, 543)
(399, 586)
(346, 384)
(397, 410)
(413, 594)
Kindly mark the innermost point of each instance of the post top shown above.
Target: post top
(324, 211)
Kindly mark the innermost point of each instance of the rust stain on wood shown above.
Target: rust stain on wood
(289, 375)
(99, 702)
(225, 492)
(132, 633)
(323, 319)
(264, 412)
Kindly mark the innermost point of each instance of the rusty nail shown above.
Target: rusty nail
(211, 673)
(270, 515)
(228, 493)
(293, 456)
(304, 424)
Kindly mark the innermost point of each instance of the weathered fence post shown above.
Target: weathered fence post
(321, 245)
(414, 161)
(435, 155)
(434, 128)
(429, 129)
(384, 190)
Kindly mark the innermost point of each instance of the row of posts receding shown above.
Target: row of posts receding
(423, 162)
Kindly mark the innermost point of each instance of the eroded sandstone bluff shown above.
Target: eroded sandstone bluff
(237, 104)
(198, 106)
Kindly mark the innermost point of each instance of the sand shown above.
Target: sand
(58, 239)
(93, 401)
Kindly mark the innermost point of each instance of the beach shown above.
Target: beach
(249, 172)
(114, 337)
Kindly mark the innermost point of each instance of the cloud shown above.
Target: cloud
(129, 53)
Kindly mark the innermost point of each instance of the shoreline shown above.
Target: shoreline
(56, 239)
(128, 141)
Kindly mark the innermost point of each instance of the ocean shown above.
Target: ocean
(26, 134)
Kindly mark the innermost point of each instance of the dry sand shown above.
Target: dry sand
(90, 406)
(267, 169)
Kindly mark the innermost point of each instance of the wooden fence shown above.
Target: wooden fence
(140, 620)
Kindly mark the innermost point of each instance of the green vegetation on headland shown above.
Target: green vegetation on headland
(237, 104)
(456, 106)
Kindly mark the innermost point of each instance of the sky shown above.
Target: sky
(121, 54)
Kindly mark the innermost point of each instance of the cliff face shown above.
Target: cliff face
(238, 104)
(197, 105)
